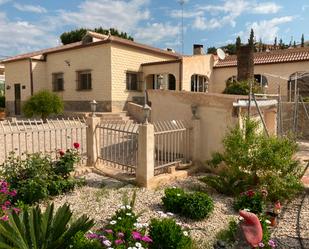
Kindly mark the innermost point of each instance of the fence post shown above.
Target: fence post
(93, 140)
(145, 162)
(196, 139)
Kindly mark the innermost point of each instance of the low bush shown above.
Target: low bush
(252, 200)
(241, 88)
(173, 199)
(43, 104)
(166, 234)
(197, 205)
(37, 176)
(33, 228)
(253, 160)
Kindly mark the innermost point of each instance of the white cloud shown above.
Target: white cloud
(228, 12)
(157, 32)
(22, 36)
(30, 8)
(267, 30)
(304, 7)
(266, 8)
(120, 14)
(186, 14)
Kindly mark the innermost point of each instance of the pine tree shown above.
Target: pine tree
(281, 45)
(302, 41)
(238, 43)
(294, 44)
(275, 43)
(251, 39)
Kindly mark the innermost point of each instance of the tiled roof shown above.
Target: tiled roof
(277, 56)
(103, 39)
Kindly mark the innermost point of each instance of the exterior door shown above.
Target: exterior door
(17, 92)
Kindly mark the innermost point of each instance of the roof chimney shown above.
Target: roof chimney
(198, 49)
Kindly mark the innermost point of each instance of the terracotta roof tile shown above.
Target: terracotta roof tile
(104, 39)
(277, 56)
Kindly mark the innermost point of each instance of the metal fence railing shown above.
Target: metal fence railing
(172, 144)
(119, 144)
(33, 136)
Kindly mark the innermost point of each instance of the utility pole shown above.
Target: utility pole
(182, 2)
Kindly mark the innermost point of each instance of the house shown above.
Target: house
(2, 79)
(115, 71)
(109, 69)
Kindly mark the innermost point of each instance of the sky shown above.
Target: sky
(32, 25)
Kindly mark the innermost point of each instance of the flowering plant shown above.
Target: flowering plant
(254, 201)
(5, 195)
(65, 164)
(123, 230)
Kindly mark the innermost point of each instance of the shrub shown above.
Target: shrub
(37, 176)
(259, 161)
(251, 200)
(166, 234)
(240, 88)
(43, 104)
(47, 230)
(173, 199)
(195, 205)
(2, 101)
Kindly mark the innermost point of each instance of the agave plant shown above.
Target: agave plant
(34, 229)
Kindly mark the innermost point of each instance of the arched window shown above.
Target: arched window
(231, 79)
(171, 82)
(199, 83)
(261, 79)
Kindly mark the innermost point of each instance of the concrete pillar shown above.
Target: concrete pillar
(145, 163)
(196, 140)
(93, 140)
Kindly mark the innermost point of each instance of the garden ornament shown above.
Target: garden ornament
(251, 228)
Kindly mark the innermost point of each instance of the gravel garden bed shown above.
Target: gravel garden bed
(102, 196)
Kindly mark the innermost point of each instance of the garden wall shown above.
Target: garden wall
(215, 112)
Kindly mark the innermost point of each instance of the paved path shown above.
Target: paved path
(292, 231)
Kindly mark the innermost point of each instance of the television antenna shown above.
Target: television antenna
(182, 2)
(221, 54)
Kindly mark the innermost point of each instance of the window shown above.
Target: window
(199, 83)
(84, 80)
(58, 82)
(132, 81)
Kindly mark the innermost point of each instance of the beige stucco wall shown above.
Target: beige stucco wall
(281, 69)
(39, 76)
(18, 73)
(215, 111)
(167, 68)
(94, 58)
(197, 64)
(123, 59)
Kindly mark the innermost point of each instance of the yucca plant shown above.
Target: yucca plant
(34, 229)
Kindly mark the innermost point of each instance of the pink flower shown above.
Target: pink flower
(118, 241)
(76, 145)
(261, 244)
(13, 193)
(92, 236)
(277, 205)
(7, 203)
(16, 210)
(109, 231)
(146, 239)
(120, 235)
(250, 193)
(3, 207)
(61, 153)
(4, 218)
(272, 243)
(136, 235)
